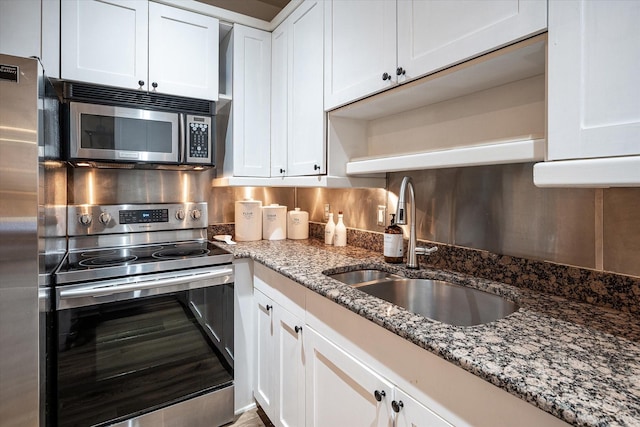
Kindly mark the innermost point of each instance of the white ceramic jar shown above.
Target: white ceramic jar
(297, 224)
(274, 222)
(248, 218)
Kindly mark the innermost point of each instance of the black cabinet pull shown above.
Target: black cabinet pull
(379, 395)
(269, 307)
(400, 71)
(154, 84)
(386, 76)
(316, 167)
(298, 329)
(397, 406)
(140, 83)
(282, 170)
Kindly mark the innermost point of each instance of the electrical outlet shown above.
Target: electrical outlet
(382, 215)
(327, 209)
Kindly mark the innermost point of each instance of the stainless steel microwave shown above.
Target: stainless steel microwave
(138, 128)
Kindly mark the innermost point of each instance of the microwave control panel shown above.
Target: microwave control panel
(198, 149)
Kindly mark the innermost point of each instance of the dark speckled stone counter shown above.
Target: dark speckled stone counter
(576, 361)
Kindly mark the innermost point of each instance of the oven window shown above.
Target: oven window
(125, 134)
(118, 360)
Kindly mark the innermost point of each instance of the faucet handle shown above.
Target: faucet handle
(426, 251)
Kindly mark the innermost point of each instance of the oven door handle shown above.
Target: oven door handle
(172, 281)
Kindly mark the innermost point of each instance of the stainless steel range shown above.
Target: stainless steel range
(144, 319)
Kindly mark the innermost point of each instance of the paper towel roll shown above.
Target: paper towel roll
(297, 224)
(248, 220)
(274, 222)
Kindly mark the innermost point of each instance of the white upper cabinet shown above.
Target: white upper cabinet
(279, 99)
(306, 147)
(140, 45)
(298, 119)
(360, 49)
(435, 34)
(593, 95)
(251, 102)
(372, 45)
(183, 52)
(105, 42)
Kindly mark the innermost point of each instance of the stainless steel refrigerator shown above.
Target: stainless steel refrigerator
(19, 311)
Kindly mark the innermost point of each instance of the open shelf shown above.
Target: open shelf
(302, 181)
(505, 152)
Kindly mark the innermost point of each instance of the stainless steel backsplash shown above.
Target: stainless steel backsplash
(115, 186)
(492, 208)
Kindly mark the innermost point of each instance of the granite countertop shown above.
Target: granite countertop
(576, 361)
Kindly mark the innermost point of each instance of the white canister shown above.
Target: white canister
(297, 224)
(248, 220)
(274, 222)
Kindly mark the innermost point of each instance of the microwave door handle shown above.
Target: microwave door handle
(182, 138)
(110, 290)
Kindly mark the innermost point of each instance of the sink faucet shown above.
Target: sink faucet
(401, 219)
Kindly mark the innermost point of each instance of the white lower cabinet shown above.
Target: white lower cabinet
(411, 413)
(279, 372)
(343, 391)
(264, 378)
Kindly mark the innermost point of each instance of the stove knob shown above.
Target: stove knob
(195, 214)
(105, 218)
(180, 214)
(85, 219)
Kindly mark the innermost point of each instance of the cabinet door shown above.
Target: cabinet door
(183, 52)
(251, 101)
(105, 42)
(434, 34)
(593, 79)
(340, 390)
(279, 98)
(306, 147)
(290, 370)
(360, 46)
(411, 413)
(264, 372)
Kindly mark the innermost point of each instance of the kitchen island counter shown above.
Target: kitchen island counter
(577, 361)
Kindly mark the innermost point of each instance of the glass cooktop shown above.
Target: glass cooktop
(95, 264)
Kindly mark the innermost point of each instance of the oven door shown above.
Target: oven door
(120, 134)
(129, 347)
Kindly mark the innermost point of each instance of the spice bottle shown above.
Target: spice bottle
(341, 232)
(329, 230)
(393, 244)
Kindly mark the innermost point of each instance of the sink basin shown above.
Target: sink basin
(363, 276)
(442, 301)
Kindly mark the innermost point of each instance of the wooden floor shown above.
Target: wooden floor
(252, 418)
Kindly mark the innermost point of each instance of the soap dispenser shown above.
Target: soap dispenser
(393, 243)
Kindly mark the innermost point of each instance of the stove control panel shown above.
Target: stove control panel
(86, 220)
(143, 216)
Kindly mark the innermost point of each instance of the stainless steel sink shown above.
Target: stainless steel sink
(435, 299)
(363, 276)
(442, 301)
